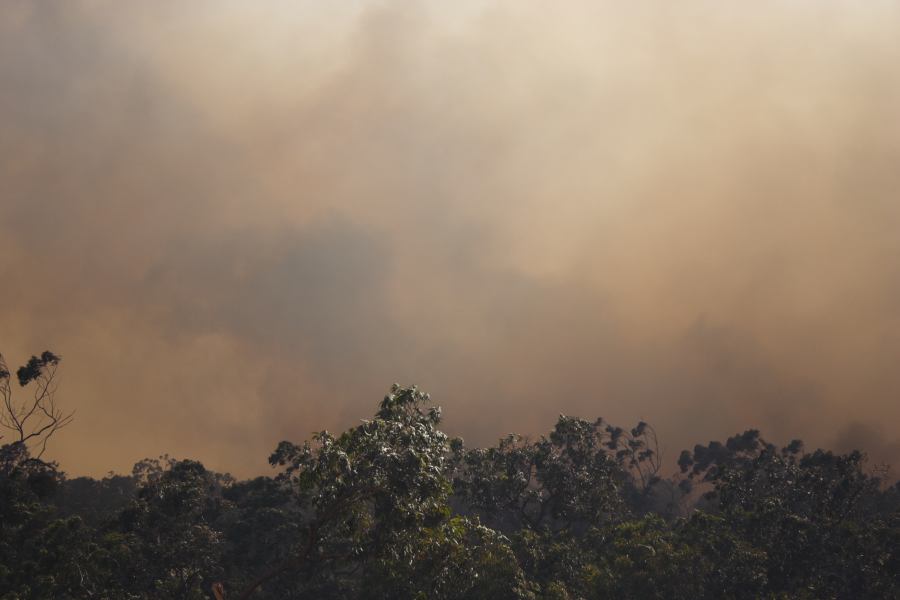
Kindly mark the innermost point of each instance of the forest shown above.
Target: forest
(395, 508)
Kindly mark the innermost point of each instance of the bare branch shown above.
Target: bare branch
(36, 420)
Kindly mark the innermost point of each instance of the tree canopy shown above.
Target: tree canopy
(394, 508)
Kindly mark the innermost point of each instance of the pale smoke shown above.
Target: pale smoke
(241, 222)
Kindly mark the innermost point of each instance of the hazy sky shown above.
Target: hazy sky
(240, 222)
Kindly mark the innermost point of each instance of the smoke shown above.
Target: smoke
(241, 223)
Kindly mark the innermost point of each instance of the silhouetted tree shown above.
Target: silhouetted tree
(582, 473)
(34, 420)
(393, 509)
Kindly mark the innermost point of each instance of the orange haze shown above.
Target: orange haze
(240, 222)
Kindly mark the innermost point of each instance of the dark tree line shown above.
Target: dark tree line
(393, 508)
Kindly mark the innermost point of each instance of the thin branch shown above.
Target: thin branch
(36, 420)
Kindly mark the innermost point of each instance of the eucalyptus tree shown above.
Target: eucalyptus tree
(33, 420)
(359, 500)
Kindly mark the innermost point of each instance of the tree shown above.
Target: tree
(33, 420)
(166, 542)
(820, 518)
(356, 496)
(41, 555)
(456, 560)
(583, 473)
(691, 558)
(371, 514)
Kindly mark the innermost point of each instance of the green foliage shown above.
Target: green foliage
(816, 516)
(357, 495)
(581, 474)
(41, 555)
(168, 545)
(393, 509)
(694, 558)
(457, 560)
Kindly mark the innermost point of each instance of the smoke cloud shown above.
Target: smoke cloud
(241, 222)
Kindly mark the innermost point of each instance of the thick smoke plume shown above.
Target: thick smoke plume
(240, 222)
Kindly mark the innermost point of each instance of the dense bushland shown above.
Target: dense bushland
(393, 508)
